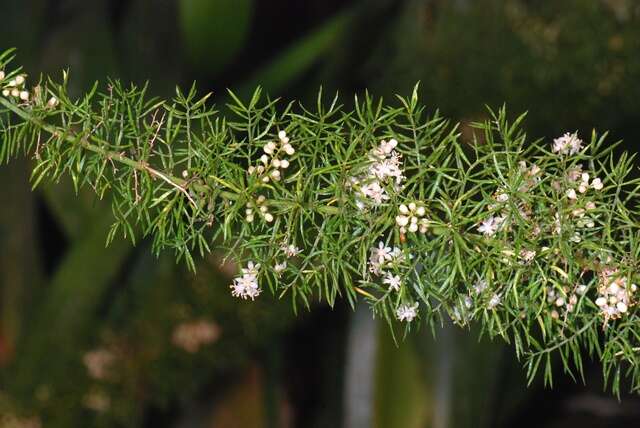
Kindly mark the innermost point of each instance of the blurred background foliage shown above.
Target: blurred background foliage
(113, 337)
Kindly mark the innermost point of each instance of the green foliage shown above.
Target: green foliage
(559, 227)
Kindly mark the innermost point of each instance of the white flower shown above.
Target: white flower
(567, 144)
(246, 285)
(290, 250)
(571, 194)
(494, 301)
(393, 281)
(480, 286)
(280, 267)
(490, 226)
(380, 254)
(251, 269)
(374, 191)
(527, 255)
(407, 312)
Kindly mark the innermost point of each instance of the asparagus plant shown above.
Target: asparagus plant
(535, 240)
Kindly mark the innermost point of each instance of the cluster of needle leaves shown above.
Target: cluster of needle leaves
(178, 172)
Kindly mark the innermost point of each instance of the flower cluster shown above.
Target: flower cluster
(15, 87)
(582, 183)
(246, 285)
(615, 294)
(190, 336)
(411, 218)
(383, 257)
(261, 205)
(564, 298)
(273, 160)
(568, 144)
(385, 166)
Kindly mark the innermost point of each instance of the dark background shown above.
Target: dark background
(573, 65)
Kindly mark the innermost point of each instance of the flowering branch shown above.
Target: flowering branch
(537, 242)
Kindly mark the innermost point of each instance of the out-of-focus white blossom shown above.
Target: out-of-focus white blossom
(407, 312)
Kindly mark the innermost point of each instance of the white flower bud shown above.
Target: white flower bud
(185, 174)
(282, 135)
(251, 170)
(15, 93)
(276, 163)
(261, 199)
(53, 102)
(284, 164)
(275, 174)
(601, 301)
(288, 148)
(403, 209)
(413, 227)
(420, 211)
(560, 301)
(268, 217)
(265, 179)
(269, 147)
(24, 95)
(2, 75)
(20, 80)
(571, 194)
(264, 159)
(12, 83)
(412, 206)
(263, 209)
(6, 92)
(250, 218)
(622, 307)
(597, 184)
(402, 220)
